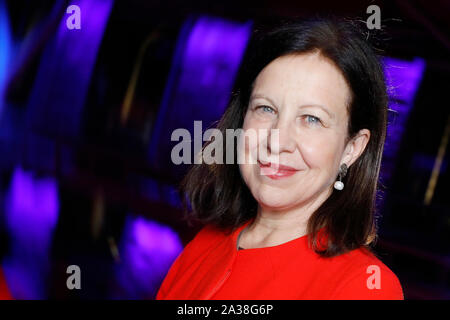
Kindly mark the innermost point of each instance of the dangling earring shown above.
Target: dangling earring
(339, 185)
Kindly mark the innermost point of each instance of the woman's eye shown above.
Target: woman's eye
(266, 109)
(313, 120)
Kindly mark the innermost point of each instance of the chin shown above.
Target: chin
(273, 201)
(275, 205)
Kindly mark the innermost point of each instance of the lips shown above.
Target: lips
(276, 171)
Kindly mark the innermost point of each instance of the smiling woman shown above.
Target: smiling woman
(278, 226)
(312, 82)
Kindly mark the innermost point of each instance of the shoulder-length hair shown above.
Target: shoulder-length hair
(218, 195)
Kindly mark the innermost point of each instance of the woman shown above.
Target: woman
(298, 222)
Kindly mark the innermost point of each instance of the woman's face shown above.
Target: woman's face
(305, 97)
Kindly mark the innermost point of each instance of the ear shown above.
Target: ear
(355, 147)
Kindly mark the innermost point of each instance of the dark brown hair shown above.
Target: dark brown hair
(216, 194)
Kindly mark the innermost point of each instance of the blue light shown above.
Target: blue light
(206, 61)
(5, 48)
(403, 79)
(31, 214)
(147, 249)
(62, 81)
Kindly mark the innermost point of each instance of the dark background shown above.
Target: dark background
(108, 171)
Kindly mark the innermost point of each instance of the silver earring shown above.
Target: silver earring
(339, 185)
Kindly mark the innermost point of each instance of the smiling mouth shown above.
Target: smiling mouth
(276, 171)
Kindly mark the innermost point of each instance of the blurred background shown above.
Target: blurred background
(88, 102)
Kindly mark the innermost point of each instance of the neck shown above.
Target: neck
(276, 226)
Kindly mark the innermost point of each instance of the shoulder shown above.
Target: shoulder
(366, 277)
(206, 239)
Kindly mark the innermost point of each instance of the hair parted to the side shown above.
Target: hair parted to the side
(217, 194)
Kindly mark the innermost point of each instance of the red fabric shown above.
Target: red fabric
(4, 292)
(211, 267)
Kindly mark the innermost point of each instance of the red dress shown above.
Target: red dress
(211, 267)
(4, 292)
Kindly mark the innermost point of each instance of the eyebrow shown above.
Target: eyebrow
(330, 114)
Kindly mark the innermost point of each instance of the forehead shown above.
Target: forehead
(304, 79)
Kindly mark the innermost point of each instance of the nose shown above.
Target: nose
(281, 138)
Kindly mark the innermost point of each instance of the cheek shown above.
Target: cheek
(319, 151)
